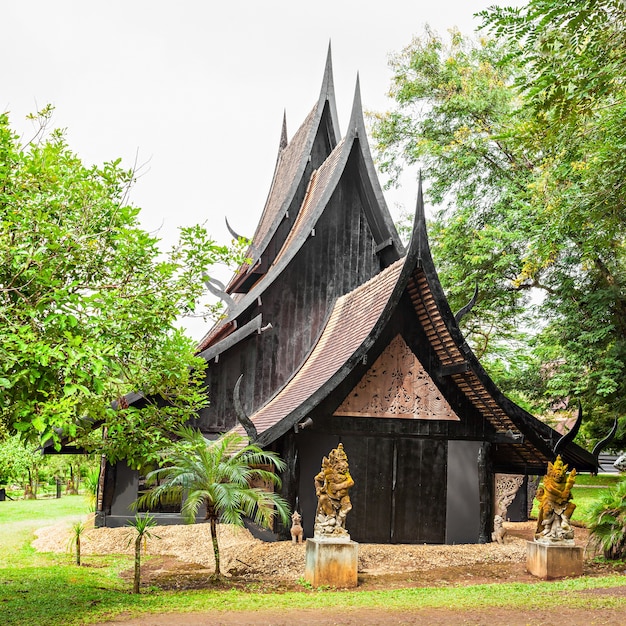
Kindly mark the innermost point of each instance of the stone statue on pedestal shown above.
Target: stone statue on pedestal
(555, 506)
(333, 502)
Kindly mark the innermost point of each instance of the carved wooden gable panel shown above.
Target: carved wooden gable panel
(397, 385)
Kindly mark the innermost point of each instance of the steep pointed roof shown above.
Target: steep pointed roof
(357, 320)
(324, 181)
(322, 185)
(290, 166)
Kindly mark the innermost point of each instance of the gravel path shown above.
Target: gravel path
(242, 554)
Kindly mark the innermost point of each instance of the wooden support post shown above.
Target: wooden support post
(486, 491)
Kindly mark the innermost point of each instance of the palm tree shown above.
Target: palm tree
(218, 474)
(606, 521)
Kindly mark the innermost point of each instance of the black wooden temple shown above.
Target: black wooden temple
(336, 327)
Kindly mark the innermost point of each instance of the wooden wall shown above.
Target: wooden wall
(337, 259)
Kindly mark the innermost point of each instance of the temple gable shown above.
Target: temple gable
(397, 385)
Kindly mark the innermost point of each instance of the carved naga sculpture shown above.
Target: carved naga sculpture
(333, 502)
(555, 506)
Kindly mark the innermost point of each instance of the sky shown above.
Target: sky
(193, 91)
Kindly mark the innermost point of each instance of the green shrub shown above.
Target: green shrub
(607, 522)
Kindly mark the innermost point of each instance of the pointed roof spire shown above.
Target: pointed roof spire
(419, 222)
(328, 69)
(356, 115)
(283, 135)
(327, 93)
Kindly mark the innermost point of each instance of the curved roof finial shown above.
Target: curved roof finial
(356, 116)
(568, 437)
(461, 313)
(243, 418)
(328, 68)
(604, 443)
(233, 234)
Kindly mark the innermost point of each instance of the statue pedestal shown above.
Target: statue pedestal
(331, 562)
(550, 561)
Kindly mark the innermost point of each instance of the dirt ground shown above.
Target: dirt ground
(249, 564)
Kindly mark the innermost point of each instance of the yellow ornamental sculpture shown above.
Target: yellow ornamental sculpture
(333, 502)
(555, 505)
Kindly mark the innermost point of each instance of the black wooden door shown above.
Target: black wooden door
(370, 460)
(419, 505)
(399, 495)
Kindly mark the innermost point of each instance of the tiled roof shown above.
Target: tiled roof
(317, 185)
(352, 319)
(286, 172)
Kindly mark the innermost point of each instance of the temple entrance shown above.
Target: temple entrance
(399, 490)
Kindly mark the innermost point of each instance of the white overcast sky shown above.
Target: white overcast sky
(196, 89)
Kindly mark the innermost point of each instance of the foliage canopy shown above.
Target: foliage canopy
(89, 303)
(520, 137)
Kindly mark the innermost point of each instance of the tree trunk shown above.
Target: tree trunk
(77, 549)
(137, 578)
(216, 549)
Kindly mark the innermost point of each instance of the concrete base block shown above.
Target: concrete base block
(332, 563)
(553, 561)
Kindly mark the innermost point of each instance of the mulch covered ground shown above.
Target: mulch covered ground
(182, 559)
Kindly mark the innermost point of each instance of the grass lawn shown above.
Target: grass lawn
(50, 589)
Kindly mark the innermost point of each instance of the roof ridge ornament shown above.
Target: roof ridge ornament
(232, 232)
(419, 222)
(461, 313)
(568, 437)
(217, 288)
(356, 115)
(242, 417)
(603, 443)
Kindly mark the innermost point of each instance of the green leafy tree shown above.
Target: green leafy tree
(531, 185)
(89, 303)
(218, 475)
(142, 524)
(20, 463)
(574, 55)
(455, 116)
(606, 522)
(92, 478)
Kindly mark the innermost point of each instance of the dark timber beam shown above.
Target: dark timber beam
(383, 245)
(456, 368)
(254, 325)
